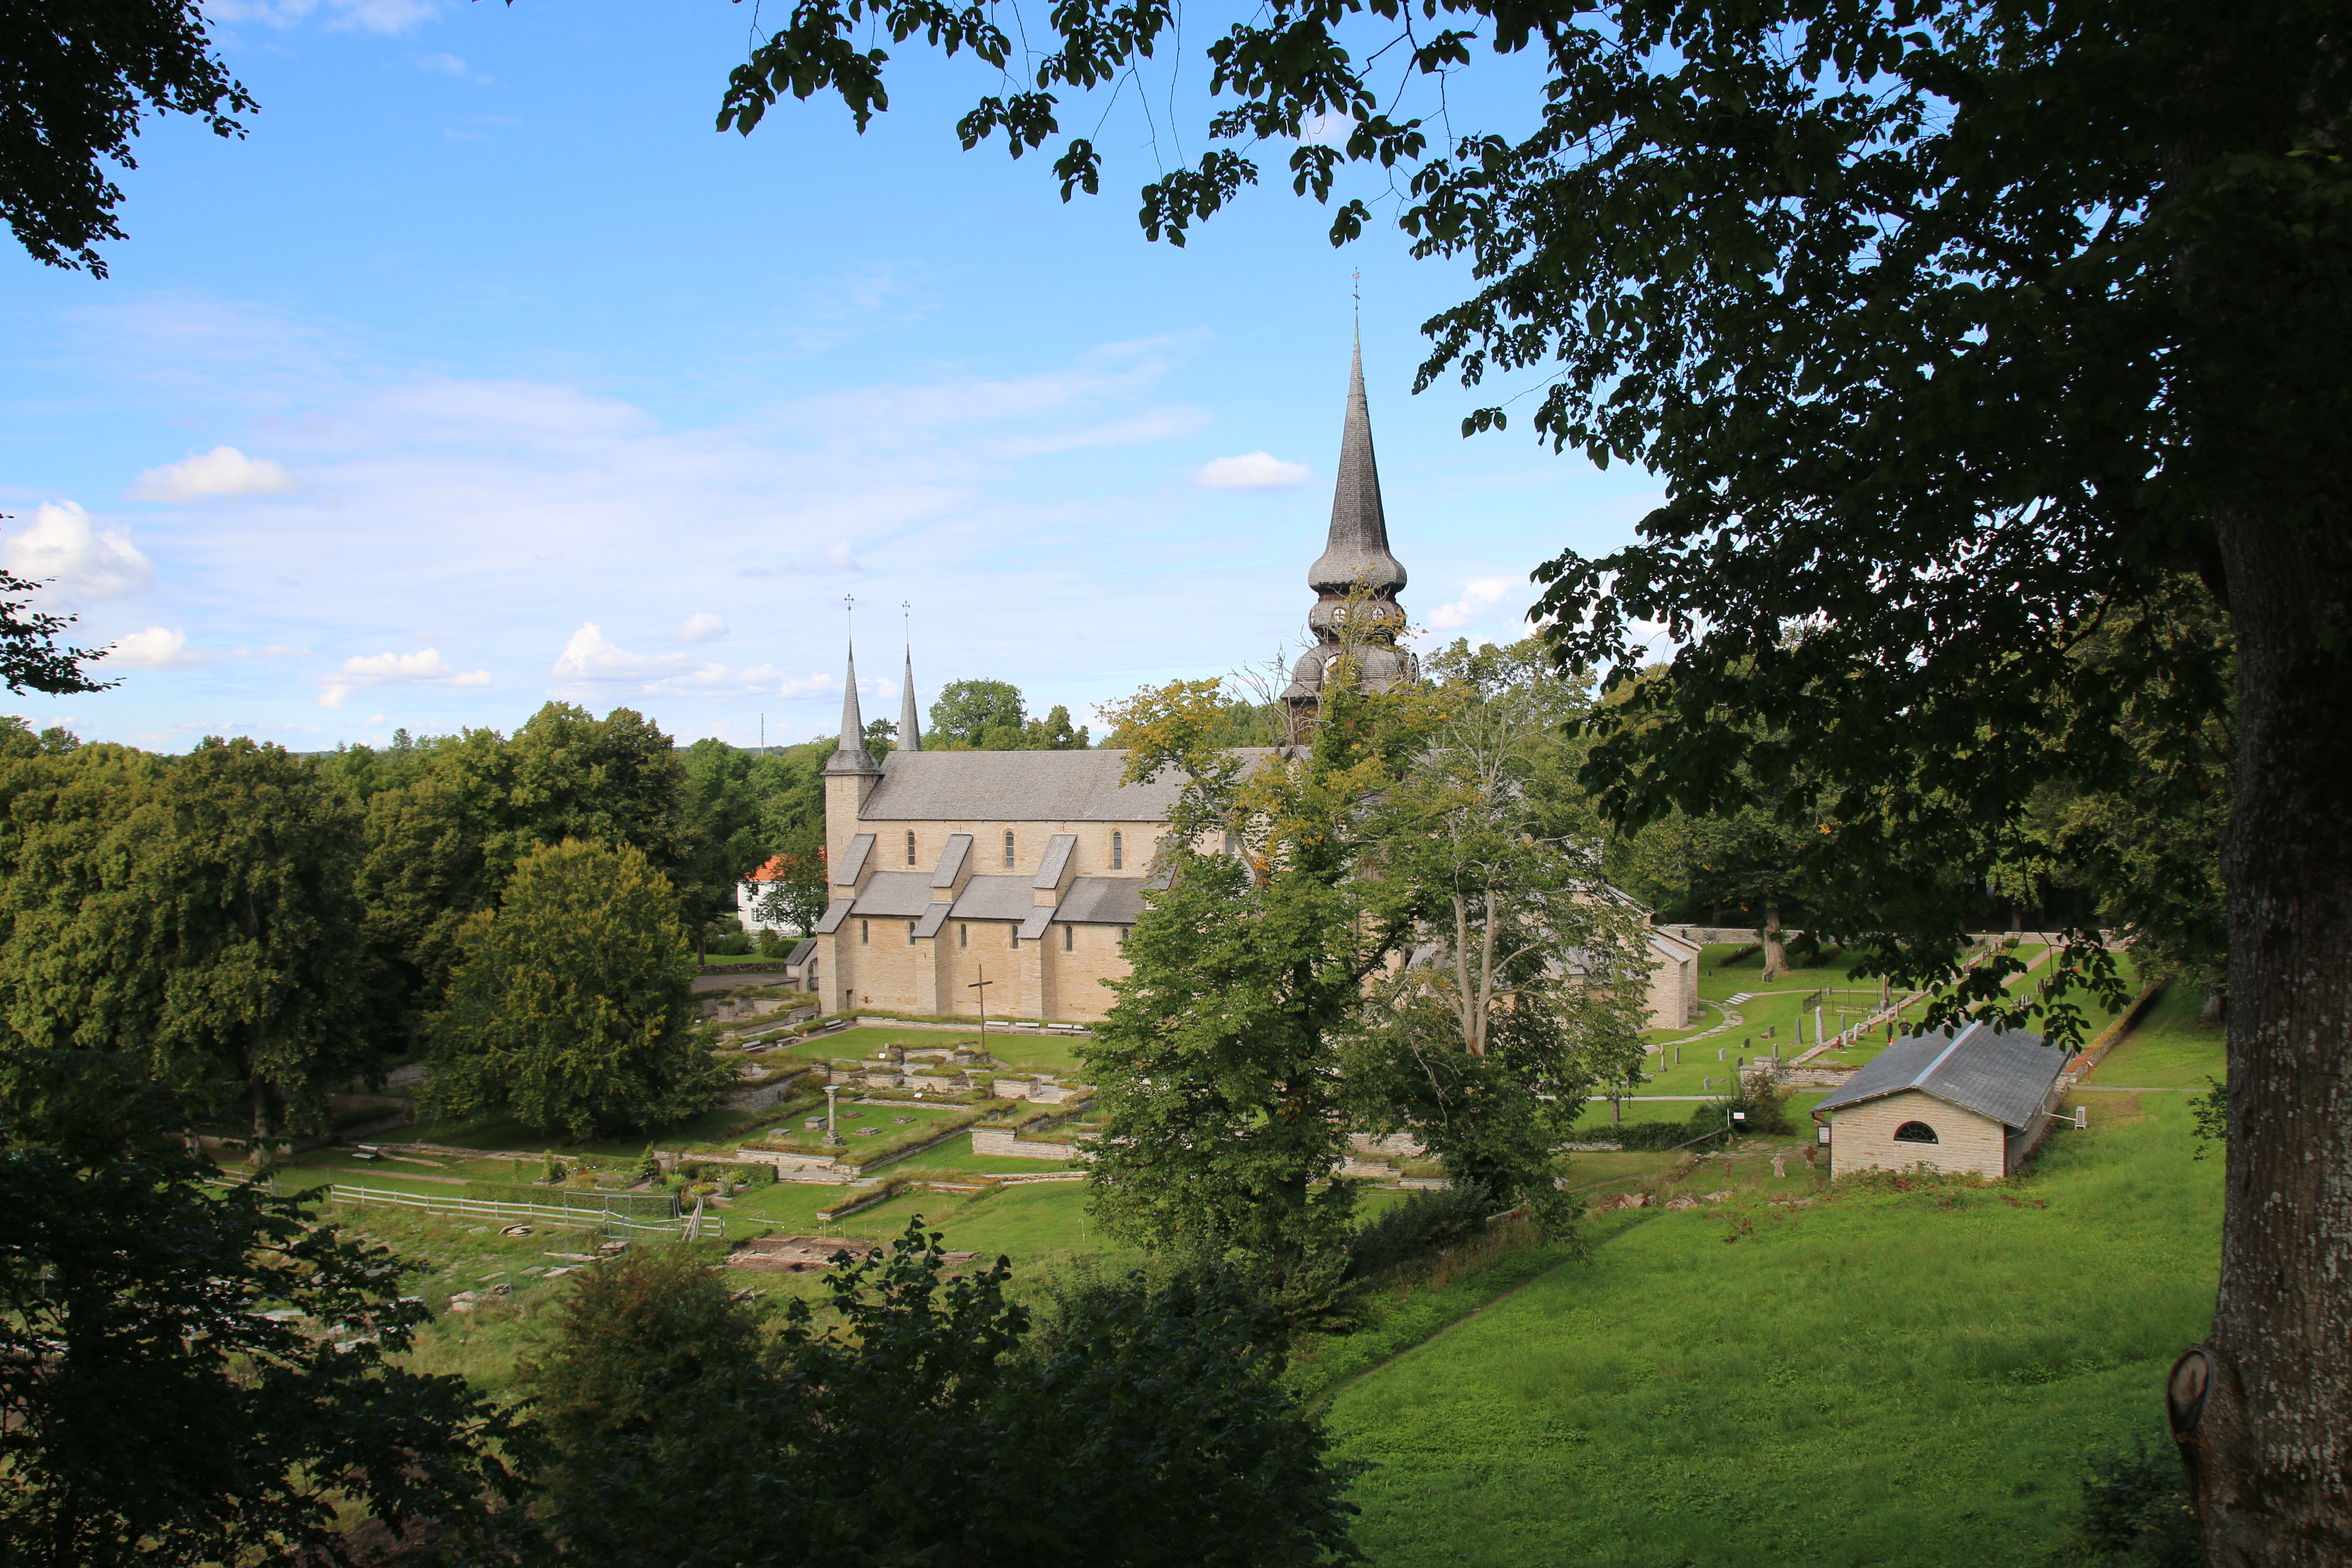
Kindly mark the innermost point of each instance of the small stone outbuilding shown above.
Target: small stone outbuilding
(1979, 1100)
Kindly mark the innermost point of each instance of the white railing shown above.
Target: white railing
(698, 1223)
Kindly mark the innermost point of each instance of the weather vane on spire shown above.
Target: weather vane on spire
(907, 618)
(849, 612)
(1355, 286)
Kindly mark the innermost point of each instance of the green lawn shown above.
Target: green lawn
(2169, 1049)
(1901, 1379)
(1020, 1053)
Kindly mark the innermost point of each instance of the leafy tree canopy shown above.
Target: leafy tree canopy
(572, 1006)
(80, 75)
(990, 716)
(196, 910)
(1145, 1425)
(189, 1375)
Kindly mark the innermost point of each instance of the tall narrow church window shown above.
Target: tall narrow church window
(1118, 850)
(963, 936)
(1008, 849)
(1069, 938)
(910, 933)
(911, 849)
(1015, 932)
(864, 931)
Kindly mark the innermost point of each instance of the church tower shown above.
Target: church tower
(1356, 561)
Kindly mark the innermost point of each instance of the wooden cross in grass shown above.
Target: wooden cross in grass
(981, 985)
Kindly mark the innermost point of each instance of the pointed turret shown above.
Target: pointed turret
(853, 757)
(911, 726)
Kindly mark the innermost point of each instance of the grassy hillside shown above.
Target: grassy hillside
(1887, 1377)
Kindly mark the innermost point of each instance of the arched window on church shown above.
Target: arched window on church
(1916, 1132)
(910, 933)
(911, 846)
(1008, 849)
(963, 936)
(1069, 938)
(1118, 849)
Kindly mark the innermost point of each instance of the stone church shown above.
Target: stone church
(1007, 881)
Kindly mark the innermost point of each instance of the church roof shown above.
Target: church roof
(1019, 786)
(1102, 900)
(996, 899)
(902, 893)
(1999, 1073)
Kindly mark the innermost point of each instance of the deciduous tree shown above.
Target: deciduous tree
(81, 75)
(572, 1005)
(198, 910)
(189, 1375)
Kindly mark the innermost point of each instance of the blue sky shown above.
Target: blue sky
(485, 371)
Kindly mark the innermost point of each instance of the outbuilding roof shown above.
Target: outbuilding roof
(2000, 1073)
(1019, 786)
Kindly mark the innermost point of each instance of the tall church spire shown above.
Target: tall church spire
(853, 757)
(1358, 548)
(911, 726)
(1356, 560)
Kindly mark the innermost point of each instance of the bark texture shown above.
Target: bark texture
(2265, 1421)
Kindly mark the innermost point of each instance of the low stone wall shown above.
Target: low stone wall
(758, 1097)
(1403, 1145)
(1012, 1145)
(784, 1161)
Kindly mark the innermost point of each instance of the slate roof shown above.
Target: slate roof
(902, 893)
(852, 860)
(1019, 786)
(952, 860)
(2002, 1074)
(801, 951)
(1057, 860)
(994, 897)
(834, 913)
(1102, 900)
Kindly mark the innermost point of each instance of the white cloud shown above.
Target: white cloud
(448, 65)
(839, 557)
(85, 563)
(363, 15)
(700, 627)
(588, 655)
(1252, 471)
(427, 668)
(1477, 598)
(223, 471)
(157, 647)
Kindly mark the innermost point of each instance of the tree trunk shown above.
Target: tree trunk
(2264, 1411)
(1776, 956)
(260, 1150)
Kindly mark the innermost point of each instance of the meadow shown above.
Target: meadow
(1881, 1378)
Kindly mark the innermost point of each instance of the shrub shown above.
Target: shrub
(775, 945)
(632, 1333)
(1646, 1135)
(736, 944)
(1425, 1222)
(2135, 1509)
